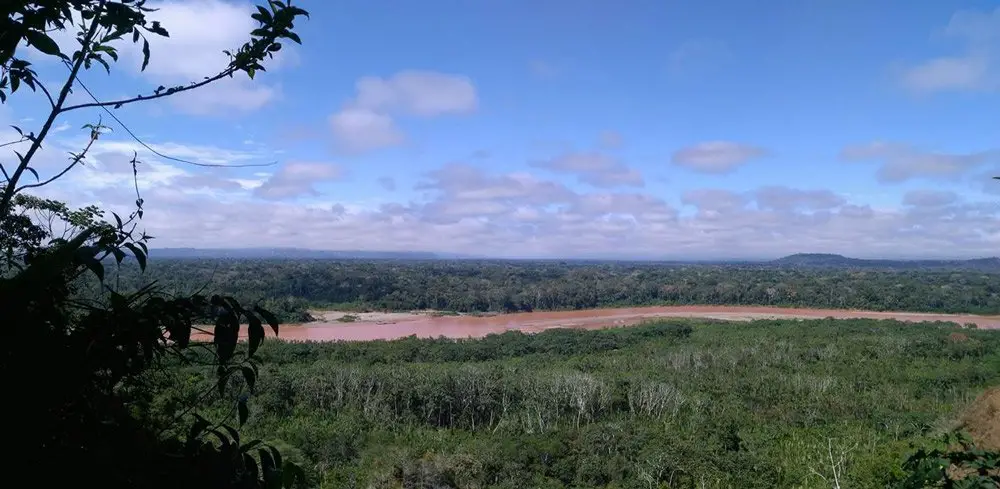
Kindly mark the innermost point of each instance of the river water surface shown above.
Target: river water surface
(386, 326)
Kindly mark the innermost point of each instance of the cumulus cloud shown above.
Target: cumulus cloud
(200, 30)
(929, 198)
(714, 199)
(519, 223)
(593, 168)
(296, 179)
(367, 122)
(900, 162)
(358, 129)
(387, 183)
(716, 156)
(467, 208)
(419, 93)
(788, 199)
(464, 182)
(977, 67)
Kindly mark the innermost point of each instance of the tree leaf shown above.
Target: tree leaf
(119, 254)
(242, 411)
(276, 455)
(248, 446)
(140, 256)
(223, 379)
(266, 462)
(255, 333)
(272, 321)
(145, 54)
(95, 266)
(43, 43)
(233, 434)
(199, 426)
(250, 376)
(226, 443)
(292, 473)
(250, 465)
(101, 60)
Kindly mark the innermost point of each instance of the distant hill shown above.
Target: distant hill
(800, 260)
(294, 253)
(824, 260)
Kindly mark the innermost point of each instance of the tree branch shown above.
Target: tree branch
(170, 91)
(48, 95)
(76, 159)
(8, 191)
(155, 152)
(10, 143)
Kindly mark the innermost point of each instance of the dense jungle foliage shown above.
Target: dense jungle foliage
(289, 287)
(679, 404)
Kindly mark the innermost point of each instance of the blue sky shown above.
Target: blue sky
(589, 128)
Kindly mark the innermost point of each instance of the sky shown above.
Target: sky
(659, 129)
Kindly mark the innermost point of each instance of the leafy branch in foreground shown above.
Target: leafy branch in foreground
(953, 462)
(102, 23)
(84, 408)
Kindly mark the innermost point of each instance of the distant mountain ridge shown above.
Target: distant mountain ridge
(827, 260)
(295, 253)
(798, 260)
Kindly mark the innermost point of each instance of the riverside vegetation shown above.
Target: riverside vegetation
(667, 404)
(291, 287)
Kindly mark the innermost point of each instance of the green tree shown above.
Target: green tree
(90, 366)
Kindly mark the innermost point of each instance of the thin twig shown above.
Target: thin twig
(8, 191)
(76, 159)
(46, 92)
(118, 103)
(8, 143)
(157, 153)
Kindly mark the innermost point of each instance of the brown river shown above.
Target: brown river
(386, 326)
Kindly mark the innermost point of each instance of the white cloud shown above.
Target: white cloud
(296, 179)
(716, 156)
(387, 183)
(358, 129)
(200, 30)
(900, 162)
(929, 198)
(790, 199)
(367, 122)
(714, 199)
(468, 209)
(977, 67)
(419, 93)
(594, 168)
(952, 73)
